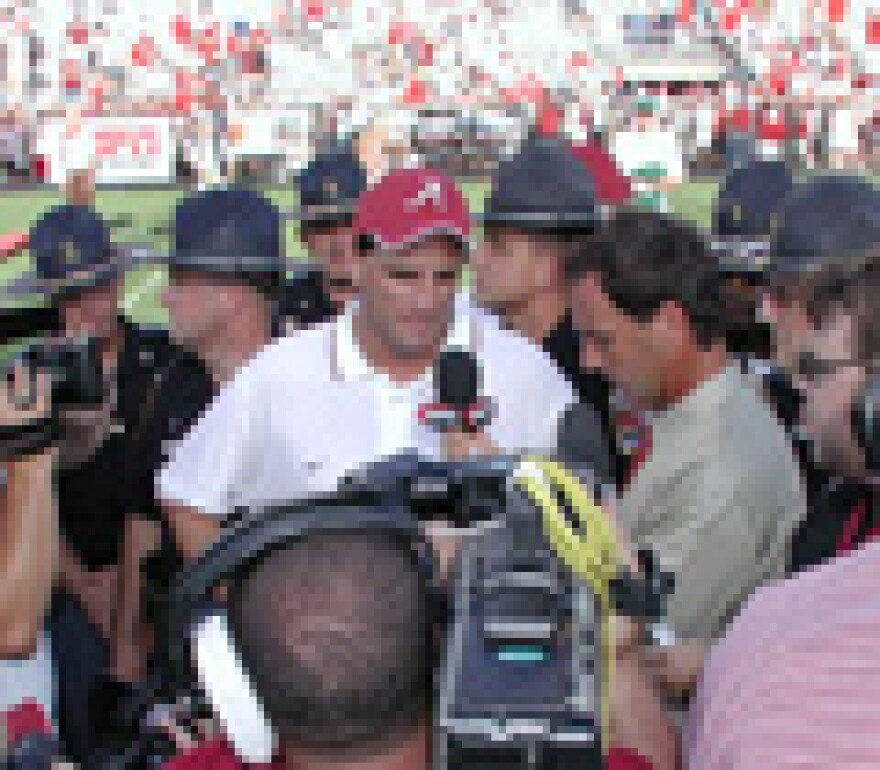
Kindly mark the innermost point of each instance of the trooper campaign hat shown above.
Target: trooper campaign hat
(71, 251)
(545, 187)
(329, 188)
(228, 231)
(747, 211)
(829, 218)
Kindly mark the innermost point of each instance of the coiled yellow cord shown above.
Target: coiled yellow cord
(591, 556)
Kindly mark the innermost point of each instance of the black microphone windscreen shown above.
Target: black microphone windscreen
(456, 379)
(581, 442)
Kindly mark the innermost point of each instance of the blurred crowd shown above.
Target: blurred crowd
(800, 76)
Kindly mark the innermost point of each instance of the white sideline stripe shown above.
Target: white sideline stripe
(131, 300)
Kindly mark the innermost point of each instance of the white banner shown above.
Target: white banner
(121, 150)
(268, 132)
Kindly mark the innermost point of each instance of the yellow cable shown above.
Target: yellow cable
(592, 557)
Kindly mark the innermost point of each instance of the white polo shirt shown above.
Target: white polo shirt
(30, 679)
(309, 409)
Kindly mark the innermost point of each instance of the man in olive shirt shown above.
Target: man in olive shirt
(720, 492)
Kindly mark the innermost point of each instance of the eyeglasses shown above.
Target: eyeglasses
(812, 368)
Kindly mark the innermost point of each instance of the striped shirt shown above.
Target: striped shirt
(795, 683)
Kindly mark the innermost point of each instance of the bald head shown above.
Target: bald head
(333, 629)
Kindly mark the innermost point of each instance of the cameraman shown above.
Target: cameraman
(335, 633)
(823, 224)
(795, 680)
(108, 453)
(47, 661)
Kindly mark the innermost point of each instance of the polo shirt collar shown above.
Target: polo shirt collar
(351, 362)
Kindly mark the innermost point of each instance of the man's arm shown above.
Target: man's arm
(208, 470)
(639, 720)
(28, 522)
(140, 538)
(677, 668)
(28, 553)
(193, 529)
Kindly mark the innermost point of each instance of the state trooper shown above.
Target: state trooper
(329, 188)
(109, 454)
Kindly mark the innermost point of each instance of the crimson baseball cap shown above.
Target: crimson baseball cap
(410, 205)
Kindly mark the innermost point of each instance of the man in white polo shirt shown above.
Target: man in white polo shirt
(315, 406)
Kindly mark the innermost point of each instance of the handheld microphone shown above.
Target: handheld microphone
(457, 405)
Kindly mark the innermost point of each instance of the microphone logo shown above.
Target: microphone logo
(457, 404)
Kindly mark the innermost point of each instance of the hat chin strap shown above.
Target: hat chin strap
(230, 691)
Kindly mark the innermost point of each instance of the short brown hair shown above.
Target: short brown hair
(646, 259)
(852, 286)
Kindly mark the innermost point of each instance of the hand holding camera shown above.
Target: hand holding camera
(27, 424)
(76, 388)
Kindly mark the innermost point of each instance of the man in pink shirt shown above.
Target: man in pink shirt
(796, 679)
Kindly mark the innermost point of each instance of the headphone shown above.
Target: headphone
(241, 549)
(866, 419)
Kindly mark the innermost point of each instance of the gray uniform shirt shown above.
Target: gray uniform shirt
(717, 500)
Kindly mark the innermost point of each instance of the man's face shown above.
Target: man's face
(508, 266)
(790, 324)
(199, 306)
(633, 354)
(81, 188)
(93, 312)
(830, 385)
(407, 296)
(332, 247)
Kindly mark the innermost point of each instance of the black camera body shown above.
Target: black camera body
(74, 368)
(520, 685)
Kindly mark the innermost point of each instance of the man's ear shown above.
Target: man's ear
(671, 325)
(357, 269)
(769, 309)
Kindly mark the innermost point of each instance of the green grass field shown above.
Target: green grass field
(151, 208)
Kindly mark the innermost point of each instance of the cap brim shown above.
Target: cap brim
(741, 256)
(794, 268)
(30, 284)
(539, 220)
(324, 214)
(225, 265)
(448, 230)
